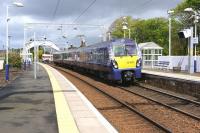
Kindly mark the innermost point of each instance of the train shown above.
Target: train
(47, 58)
(115, 60)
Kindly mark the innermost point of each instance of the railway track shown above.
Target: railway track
(168, 94)
(144, 123)
(173, 102)
(179, 103)
(164, 118)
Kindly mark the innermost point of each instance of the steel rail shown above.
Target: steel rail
(163, 104)
(165, 93)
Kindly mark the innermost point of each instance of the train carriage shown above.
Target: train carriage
(116, 60)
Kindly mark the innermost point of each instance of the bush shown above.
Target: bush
(14, 60)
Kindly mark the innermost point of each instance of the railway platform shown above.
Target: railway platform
(74, 112)
(183, 83)
(49, 104)
(170, 74)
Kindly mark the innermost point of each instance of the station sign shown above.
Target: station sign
(195, 40)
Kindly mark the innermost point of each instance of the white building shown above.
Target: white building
(150, 53)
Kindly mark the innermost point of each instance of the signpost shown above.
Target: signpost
(190, 59)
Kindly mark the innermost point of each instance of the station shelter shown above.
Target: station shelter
(150, 53)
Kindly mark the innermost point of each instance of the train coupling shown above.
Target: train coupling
(128, 75)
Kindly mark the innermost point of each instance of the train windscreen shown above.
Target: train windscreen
(125, 50)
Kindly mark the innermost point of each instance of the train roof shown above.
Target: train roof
(112, 42)
(108, 43)
(101, 45)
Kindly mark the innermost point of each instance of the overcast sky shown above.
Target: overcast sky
(102, 12)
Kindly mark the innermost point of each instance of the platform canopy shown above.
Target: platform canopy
(149, 45)
(42, 43)
(26, 53)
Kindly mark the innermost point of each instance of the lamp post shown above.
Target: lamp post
(35, 56)
(24, 47)
(196, 17)
(124, 26)
(170, 12)
(82, 37)
(17, 4)
(129, 33)
(109, 36)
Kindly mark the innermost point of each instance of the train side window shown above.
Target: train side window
(65, 56)
(78, 56)
(106, 53)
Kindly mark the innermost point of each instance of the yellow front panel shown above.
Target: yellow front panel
(126, 61)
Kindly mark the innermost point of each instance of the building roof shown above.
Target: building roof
(149, 45)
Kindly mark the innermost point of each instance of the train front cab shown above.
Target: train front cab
(126, 64)
(121, 70)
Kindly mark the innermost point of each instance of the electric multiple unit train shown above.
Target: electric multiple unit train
(116, 60)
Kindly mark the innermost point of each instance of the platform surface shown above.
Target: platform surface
(27, 105)
(183, 76)
(74, 112)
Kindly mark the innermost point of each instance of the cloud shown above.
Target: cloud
(103, 12)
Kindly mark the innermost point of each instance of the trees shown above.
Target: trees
(195, 4)
(40, 52)
(14, 60)
(185, 17)
(156, 29)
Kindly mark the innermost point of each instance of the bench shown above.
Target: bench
(162, 64)
(177, 69)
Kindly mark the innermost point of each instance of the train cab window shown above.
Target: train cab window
(119, 50)
(124, 50)
(130, 50)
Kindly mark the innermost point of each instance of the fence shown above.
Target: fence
(175, 61)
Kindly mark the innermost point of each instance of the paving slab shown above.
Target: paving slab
(27, 105)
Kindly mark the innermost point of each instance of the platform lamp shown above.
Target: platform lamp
(196, 17)
(82, 38)
(16, 4)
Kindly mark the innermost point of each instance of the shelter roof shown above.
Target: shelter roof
(149, 45)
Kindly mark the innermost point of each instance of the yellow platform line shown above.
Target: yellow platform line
(66, 123)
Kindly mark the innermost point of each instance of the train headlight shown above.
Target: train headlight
(139, 63)
(115, 65)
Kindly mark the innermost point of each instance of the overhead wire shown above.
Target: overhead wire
(56, 8)
(84, 11)
(55, 11)
(135, 8)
